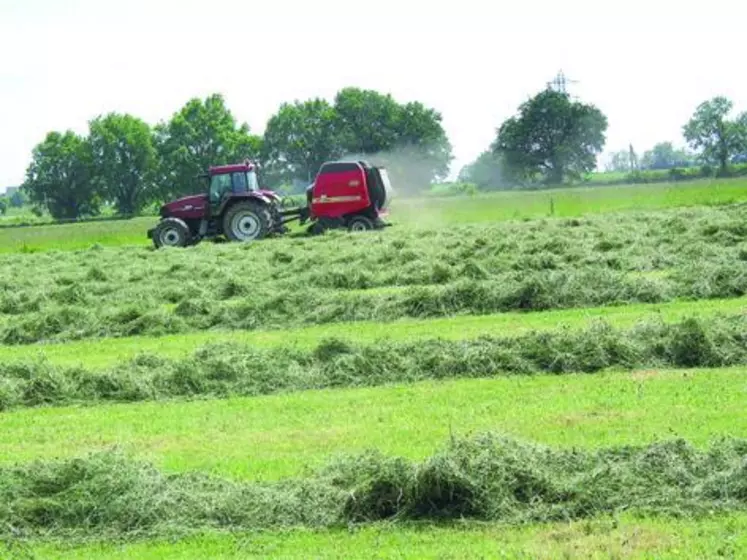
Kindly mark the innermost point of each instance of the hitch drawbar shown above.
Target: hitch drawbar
(302, 214)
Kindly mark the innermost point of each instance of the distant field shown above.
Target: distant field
(425, 212)
(568, 202)
(76, 236)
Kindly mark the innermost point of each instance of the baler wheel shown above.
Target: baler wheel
(360, 223)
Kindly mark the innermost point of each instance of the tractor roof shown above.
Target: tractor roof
(233, 168)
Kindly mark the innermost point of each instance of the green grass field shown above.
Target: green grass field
(621, 537)
(266, 438)
(100, 311)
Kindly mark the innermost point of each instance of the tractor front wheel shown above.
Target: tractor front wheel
(246, 221)
(171, 232)
(360, 223)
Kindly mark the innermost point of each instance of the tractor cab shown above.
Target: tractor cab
(226, 180)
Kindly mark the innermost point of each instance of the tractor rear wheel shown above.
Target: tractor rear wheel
(360, 223)
(246, 221)
(171, 232)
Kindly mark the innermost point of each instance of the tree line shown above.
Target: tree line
(127, 163)
(554, 140)
(551, 140)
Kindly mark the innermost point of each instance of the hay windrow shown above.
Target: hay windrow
(486, 477)
(537, 265)
(227, 369)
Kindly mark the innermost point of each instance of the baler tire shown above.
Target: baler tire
(171, 232)
(360, 223)
(258, 216)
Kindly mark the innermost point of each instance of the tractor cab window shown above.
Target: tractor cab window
(219, 186)
(240, 184)
(245, 181)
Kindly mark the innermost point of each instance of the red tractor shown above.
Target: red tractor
(344, 194)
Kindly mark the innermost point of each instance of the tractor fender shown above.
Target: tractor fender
(271, 196)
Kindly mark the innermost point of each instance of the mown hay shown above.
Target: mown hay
(520, 266)
(486, 477)
(223, 370)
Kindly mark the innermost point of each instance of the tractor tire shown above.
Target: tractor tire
(171, 232)
(360, 223)
(246, 221)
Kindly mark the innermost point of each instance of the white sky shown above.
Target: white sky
(646, 64)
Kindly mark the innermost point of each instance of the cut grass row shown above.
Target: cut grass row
(553, 264)
(271, 437)
(107, 352)
(487, 477)
(623, 536)
(425, 212)
(237, 370)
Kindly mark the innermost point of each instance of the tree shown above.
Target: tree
(409, 139)
(361, 124)
(422, 152)
(552, 138)
(17, 199)
(3, 206)
(124, 161)
(299, 138)
(710, 131)
(487, 172)
(59, 177)
(201, 134)
(665, 156)
(368, 121)
(620, 162)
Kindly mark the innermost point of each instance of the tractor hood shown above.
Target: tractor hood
(188, 205)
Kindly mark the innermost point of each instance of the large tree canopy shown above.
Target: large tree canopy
(299, 138)
(361, 124)
(552, 138)
(710, 131)
(201, 134)
(59, 177)
(124, 161)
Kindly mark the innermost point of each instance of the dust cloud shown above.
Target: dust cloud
(411, 172)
